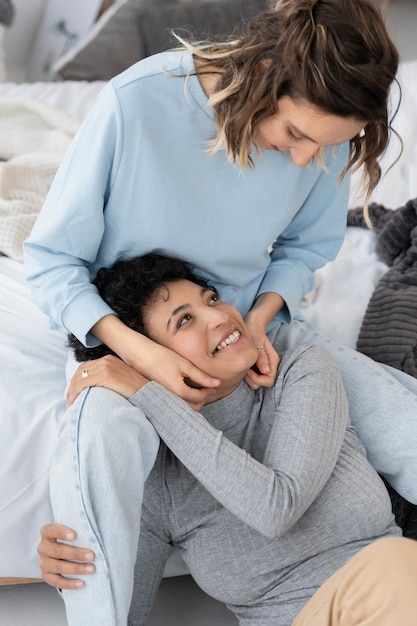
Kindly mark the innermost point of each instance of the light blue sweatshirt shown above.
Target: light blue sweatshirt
(137, 178)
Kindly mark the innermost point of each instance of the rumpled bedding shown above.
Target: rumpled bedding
(33, 140)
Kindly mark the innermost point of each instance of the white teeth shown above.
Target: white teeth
(232, 338)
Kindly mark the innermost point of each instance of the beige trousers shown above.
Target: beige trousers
(377, 587)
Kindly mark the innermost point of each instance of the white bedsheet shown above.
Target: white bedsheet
(32, 357)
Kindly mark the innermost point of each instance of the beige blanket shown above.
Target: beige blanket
(33, 140)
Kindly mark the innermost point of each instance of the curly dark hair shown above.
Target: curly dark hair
(128, 287)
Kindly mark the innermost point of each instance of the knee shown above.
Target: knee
(392, 547)
(95, 408)
(393, 560)
(101, 419)
(102, 414)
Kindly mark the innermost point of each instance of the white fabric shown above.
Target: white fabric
(32, 357)
(33, 141)
(32, 384)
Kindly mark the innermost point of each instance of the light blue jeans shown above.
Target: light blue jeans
(107, 448)
(105, 451)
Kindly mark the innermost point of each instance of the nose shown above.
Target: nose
(303, 155)
(216, 317)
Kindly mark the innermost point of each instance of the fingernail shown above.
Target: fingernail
(89, 556)
(89, 569)
(78, 584)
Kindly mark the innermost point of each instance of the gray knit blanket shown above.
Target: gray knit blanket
(389, 328)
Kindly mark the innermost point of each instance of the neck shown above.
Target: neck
(223, 391)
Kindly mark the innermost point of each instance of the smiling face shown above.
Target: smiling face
(301, 129)
(194, 323)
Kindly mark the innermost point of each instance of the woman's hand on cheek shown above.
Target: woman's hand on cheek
(264, 372)
(179, 376)
(110, 372)
(154, 361)
(57, 560)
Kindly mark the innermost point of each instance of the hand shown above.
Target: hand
(57, 559)
(265, 371)
(155, 362)
(179, 375)
(110, 372)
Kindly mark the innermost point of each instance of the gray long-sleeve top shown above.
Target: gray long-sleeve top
(266, 493)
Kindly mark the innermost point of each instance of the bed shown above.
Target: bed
(37, 121)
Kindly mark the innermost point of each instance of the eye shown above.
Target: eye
(292, 136)
(183, 320)
(213, 298)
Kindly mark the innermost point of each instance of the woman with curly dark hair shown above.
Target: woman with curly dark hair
(267, 493)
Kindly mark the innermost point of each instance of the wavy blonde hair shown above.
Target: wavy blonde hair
(335, 54)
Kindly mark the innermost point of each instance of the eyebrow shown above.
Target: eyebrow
(303, 135)
(182, 307)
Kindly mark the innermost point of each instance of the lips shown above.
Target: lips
(232, 338)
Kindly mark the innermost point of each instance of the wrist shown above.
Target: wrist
(266, 306)
(124, 341)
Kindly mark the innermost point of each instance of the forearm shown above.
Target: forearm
(233, 477)
(128, 344)
(266, 306)
(269, 496)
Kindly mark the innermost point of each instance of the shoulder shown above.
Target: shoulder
(307, 357)
(151, 86)
(154, 68)
(310, 367)
(297, 363)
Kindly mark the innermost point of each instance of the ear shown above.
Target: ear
(262, 66)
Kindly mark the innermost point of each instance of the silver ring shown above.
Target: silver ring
(84, 373)
(260, 347)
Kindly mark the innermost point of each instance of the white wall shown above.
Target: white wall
(19, 37)
(33, 41)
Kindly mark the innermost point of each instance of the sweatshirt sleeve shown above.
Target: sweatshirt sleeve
(68, 233)
(309, 423)
(314, 236)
